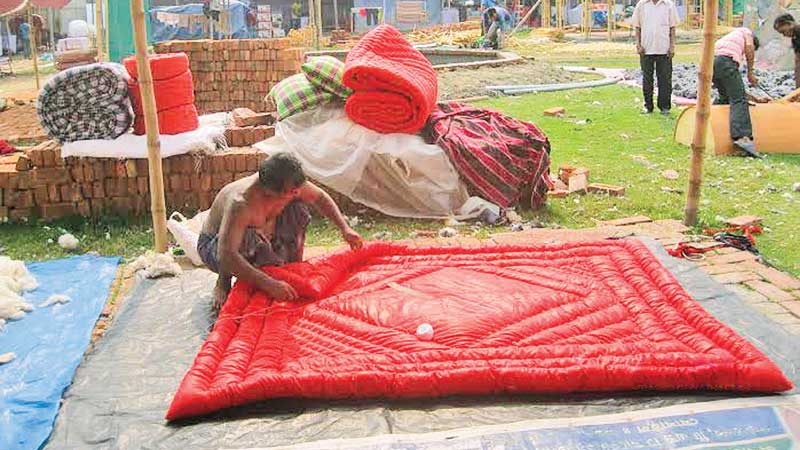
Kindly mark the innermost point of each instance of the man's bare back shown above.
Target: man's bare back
(233, 199)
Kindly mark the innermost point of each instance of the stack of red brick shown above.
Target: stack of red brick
(236, 72)
(248, 127)
(39, 183)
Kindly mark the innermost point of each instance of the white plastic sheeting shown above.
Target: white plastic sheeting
(397, 174)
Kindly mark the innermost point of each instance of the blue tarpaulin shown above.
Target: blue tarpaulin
(49, 344)
(165, 32)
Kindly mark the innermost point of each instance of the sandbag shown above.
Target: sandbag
(395, 86)
(86, 102)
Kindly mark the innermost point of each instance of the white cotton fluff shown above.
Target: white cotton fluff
(7, 357)
(425, 332)
(447, 232)
(155, 265)
(68, 241)
(54, 299)
(14, 279)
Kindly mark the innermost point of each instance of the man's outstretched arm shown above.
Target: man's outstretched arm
(324, 204)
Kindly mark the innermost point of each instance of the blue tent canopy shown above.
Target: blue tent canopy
(165, 32)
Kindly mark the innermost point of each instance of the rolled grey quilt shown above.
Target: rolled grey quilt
(86, 102)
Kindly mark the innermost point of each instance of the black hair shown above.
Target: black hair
(783, 19)
(279, 169)
(491, 12)
(756, 43)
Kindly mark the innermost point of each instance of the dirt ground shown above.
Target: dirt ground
(464, 83)
(20, 125)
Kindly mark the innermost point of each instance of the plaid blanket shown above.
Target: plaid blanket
(86, 102)
(499, 157)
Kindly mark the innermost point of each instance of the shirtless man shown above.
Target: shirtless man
(261, 220)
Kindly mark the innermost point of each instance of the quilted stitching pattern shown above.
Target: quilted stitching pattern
(395, 86)
(596, 316)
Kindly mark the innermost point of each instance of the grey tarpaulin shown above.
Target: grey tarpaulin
(122, 390)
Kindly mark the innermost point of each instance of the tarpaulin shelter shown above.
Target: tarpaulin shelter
(15, 6)
(165, 27)
(120, 29)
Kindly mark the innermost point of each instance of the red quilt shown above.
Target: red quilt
(395, 86)
(591, 316)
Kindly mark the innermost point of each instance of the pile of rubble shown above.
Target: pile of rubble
(776, 84)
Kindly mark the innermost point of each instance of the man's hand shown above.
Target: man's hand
(671, 51)
(352, 238)
(281, 291)
(752, 79)
(639, 49)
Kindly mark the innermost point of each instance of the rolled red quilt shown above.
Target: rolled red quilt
(394, 85)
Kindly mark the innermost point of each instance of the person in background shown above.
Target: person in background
(261, 220)
(655, 22)
(297, 12)
(503, 18)
(25, 37)
(785, 25)
(730, 53)
(494, 33)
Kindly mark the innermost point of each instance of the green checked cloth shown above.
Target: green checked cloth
(296, 94)
(326, 72)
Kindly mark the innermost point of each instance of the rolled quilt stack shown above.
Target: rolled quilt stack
(174, 92)
(394, 85)
(86, 102)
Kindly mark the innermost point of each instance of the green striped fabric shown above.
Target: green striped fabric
(296, 94)
(326, 72)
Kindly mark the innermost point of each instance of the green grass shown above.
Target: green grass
(614, 134)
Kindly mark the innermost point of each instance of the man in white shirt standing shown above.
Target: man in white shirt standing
(655, 22)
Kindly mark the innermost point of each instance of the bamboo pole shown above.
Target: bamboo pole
(527, 15)
(336, 13)
(686, 14)
(51, 17)
(145, 78)
(610, 20)
(312, 22)
(587, 15)
(107, 42)
(559, 14)
(729, 13)
(318, 12)
(98, 28)
(32, 41)
(703, 113)
(546, 14)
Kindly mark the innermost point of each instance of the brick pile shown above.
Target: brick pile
(236, 72)
(39, 183)
(248, 127)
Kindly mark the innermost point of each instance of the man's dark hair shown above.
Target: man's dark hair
(783, 19)
(491, 12)
(279, 170)
(756, 43)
